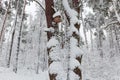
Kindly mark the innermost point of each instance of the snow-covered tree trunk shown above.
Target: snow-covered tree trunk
(91, 38)
(49, 17)
(117, 40)
(4, 28)
(111, 39)
(12, 36)
(75, 55)
(7, 30)
(19, 38)
(4, 22)
(42, 62)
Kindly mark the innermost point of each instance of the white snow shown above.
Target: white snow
(61, 76)
(73, 76)
(54, 55)
(8, 74)
(75, 50)
(74, 63)
(73, 41)
(73, 29)
(31, 9)
(49, 29)
(56, 68)
(56, 14)
(52, 42)
(71, 12)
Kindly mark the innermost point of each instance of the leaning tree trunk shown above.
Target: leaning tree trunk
(19, 38)
(4, 22)
(3, 26)
(12, 36)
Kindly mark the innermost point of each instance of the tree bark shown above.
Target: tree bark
(49, 13)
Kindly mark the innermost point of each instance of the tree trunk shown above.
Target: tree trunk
(4, 22)
(19, 38)
(76, 6)
(13, 35)
(49, 13)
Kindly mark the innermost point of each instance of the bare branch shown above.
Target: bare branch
(40, 4)
(114, 22)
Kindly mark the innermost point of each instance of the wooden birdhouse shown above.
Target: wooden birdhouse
(57, 17)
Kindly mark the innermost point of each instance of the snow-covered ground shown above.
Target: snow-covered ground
(8, 74)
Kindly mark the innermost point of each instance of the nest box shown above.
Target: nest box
(57, 17)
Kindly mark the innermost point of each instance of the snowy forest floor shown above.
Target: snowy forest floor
(8, 74)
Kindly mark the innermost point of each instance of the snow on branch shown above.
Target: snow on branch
(52, 42)
(74, 63)
(71, 12)
(73, 29)
(49, 29)
(73, 76)
(56, 68)
(56, 14)
(55, 55)
(75, 49)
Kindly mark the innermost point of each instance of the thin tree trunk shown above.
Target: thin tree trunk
(111, 38)
(117, 40)
(4, 22)
(3, 26)
(13, 35)
(86, 42)
(91, 38)
(19, 38)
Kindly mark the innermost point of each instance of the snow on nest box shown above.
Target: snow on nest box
(57, 17)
